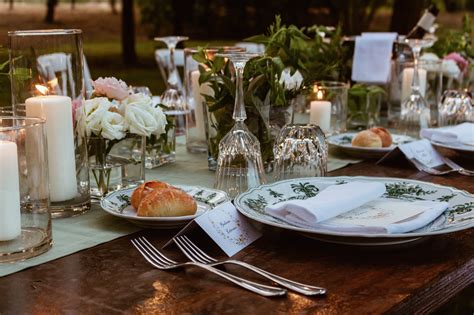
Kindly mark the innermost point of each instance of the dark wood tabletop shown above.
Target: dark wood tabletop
(113, 278)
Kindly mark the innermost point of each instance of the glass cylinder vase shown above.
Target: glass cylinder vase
(47, 81)
(115, 164)
(195, 97)
(25, 217)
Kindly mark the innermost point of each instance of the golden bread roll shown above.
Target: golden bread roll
(367, 139)
(144, 189)
(384, 135)
(167, 202)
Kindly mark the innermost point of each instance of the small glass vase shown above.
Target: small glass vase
(160, 150)
(364, 111)
(115, 164)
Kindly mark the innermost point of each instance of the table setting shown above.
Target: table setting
(271, 180)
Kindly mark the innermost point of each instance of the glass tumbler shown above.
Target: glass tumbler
(25, 217)
(329, 108)
(47, 81)
(455, 107)
(300, 151)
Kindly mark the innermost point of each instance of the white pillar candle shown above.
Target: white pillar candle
(407, 81)
(198, 91)
(320, 114)
(57, 110)
(10, 216)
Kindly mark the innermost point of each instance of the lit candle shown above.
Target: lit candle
(10, 216)
(198, 92)
(57, 110)
(320, 113)
(407, 81)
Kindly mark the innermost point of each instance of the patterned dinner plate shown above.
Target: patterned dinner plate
(458, 216)
(343, 142)
(117, 204)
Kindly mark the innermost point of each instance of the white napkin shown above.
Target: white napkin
(384, 216)
(463, 134)
(372, 57)
(329, 203)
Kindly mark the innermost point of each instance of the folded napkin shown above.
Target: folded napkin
(372, 57)
(386, 216)
(463, 134)
(329, 203)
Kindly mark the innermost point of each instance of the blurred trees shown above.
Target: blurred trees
(128, 32)
(50, 6)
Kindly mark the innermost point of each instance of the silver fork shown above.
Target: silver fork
(195, 254)
(457, 167)
(160, 261)
(430, 170)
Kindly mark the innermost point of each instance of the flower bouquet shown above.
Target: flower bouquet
(116, 122)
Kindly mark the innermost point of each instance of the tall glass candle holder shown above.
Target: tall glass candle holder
(47, 82)
(25, 217)
(329, 109)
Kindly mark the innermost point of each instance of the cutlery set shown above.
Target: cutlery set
(204, 261)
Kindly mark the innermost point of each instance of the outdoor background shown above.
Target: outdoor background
(120, 42)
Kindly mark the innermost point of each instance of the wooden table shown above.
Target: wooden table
(114, 278)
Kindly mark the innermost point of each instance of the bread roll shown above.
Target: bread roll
(384, 135)
(167, 202)
(367, 139)
(144, 189)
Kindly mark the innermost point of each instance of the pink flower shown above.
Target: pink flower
(110, 87)
(75, 105)
(460, 61)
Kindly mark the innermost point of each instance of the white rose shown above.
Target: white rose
(95, 109)
(140, 120)
(138, 99)
(430, 62)
(429, 57)
(81, 121)
(160, 118)
(450, 68)
(113, 126)
(291, 82)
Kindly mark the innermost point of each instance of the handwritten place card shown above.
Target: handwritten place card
(229, 229)
(421, 150)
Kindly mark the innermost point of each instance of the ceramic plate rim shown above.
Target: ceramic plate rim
(157, 219)
(345, 234)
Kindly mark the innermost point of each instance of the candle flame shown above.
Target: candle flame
(319, 95)
(42, 89)
(53, 83)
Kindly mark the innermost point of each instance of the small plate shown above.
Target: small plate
(343, 142)
(459, 215)
(117, 204)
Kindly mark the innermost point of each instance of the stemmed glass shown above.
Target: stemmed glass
(172, 97)
(239, 164)
(415, 112)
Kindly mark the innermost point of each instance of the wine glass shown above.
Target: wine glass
(415, 111)
(239, 163)
(172, 97)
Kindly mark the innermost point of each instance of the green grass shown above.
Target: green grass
(105, 59)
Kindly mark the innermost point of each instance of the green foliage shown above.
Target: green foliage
(459, 41)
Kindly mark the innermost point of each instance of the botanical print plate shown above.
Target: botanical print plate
(343, 142)
(118, 204)
(459, 215)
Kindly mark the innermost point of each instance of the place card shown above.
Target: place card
(421, 150)
(229, 229)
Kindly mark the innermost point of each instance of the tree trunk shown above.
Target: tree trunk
(113, 6)
(50, 5)
(129, 54)
(405, 15)
(11, 4)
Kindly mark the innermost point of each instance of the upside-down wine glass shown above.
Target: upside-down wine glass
(172, 96)
(415, 111)
(239, 164)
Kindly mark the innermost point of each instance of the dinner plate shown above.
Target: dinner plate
(464, 149)
(458, 216)
(343, 142)
(117, 204)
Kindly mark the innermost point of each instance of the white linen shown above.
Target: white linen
(372, 57)
(462, 134)
(329, 203)
(386, 216)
